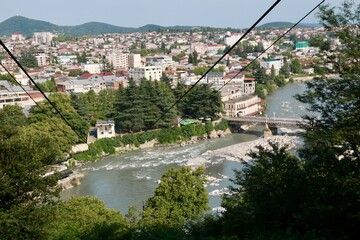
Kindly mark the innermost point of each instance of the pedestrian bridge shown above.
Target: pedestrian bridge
(263, 120)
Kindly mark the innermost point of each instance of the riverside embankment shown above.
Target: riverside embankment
(131, 178)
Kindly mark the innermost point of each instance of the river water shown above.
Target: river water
(131, 178)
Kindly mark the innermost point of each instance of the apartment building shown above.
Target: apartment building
(43, 37)
(151, 73)
(92, 67)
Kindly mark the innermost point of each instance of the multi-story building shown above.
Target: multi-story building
(92, 67)
(81, 86)
(249, 86)
(118, 59)
(160, 61)
(66, 58)
(15, 95)
(277, 63)
(241, 106)
(215, 78)
(17, 36)
(231, 40)
(42, 59)
(105, 129)
(134, 60)
(151, 73)
(43, 37)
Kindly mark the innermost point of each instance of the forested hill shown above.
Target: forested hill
(288, 25)
(28, 26)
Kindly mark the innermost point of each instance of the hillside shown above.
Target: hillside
(28, 26)
(287, 25)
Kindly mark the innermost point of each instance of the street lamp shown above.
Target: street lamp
(274, 115)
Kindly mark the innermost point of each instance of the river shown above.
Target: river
(130, 178)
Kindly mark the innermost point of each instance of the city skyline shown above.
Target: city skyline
(228, 13)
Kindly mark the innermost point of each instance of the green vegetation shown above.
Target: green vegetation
(163, 136)
(28, 60)
(277, 195)
(44, 111)
(48, 86)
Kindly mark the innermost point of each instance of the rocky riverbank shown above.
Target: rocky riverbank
(239, 152)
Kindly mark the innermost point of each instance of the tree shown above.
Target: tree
(24, 190)
(296, 66)
(335, 99)
(48, 86)
(62, 103)
(86, 218)
(179, 198)
(271, 195)
(8, 78)
(202, 101)
(28, 60)
(81, 58)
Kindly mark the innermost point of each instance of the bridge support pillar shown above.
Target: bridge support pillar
(267, 131)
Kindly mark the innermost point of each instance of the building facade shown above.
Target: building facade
(105, 129)
(151, 73)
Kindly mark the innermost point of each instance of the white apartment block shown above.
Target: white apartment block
(151, 73)
(160, 61)
(67, 58)
(43, 37)
(249, 86)
(92, 67)
(16, 36)
(134, 60)
(42, 59)
(231, 40)
(269, 63)
(118, 59)
(124, 60)
(82, 86)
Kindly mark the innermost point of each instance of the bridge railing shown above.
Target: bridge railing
(271, 121)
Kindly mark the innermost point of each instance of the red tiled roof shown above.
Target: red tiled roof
(86, 75)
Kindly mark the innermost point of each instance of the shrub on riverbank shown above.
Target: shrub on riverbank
(106, 146)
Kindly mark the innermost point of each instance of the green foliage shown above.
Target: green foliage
(8, 78)
(295, 66)
(81, 58)
(271, 195)
(321, 42)
(203, 70)
(180, 197)
(28, 60)
(48, 86)
(86, 218)
(26, 222)
(75, 73)
(222, 125)
(62, 103)
(316, 195)
(202, 101)
(139, 107)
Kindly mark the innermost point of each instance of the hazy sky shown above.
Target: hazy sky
(136, 13)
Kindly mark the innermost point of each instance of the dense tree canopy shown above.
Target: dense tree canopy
(61, 101)
(315, 195)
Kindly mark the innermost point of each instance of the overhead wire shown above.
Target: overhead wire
(37, 104)
(40, 90)
(278, 39)
(219, 60)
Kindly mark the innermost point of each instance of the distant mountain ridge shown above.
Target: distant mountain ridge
(28, 26)
(288, 25)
